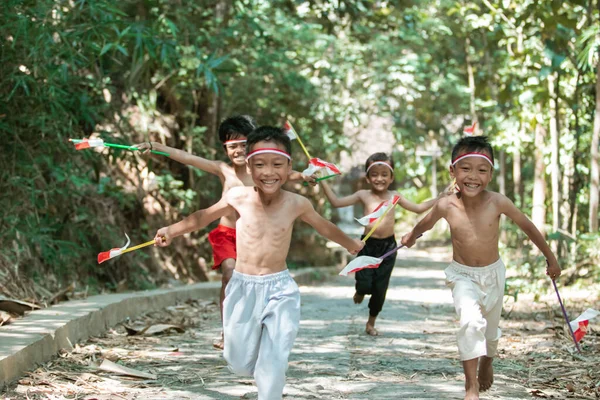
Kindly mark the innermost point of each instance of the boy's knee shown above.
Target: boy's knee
(240, 367)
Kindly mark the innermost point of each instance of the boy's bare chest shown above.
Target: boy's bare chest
(480, 223)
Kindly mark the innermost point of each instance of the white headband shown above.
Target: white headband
(380, 163)
(236, 141)
(480, 155)
(267, 151)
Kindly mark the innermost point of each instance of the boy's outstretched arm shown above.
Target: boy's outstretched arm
(425, 224)
(424, 206)
(193, 222)
(508, 208)
(340, 202)
(327, 229)
(210, 166)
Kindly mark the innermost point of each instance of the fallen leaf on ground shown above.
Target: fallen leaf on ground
(109, 366)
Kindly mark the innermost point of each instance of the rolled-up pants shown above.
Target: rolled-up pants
(261, 317)
(477, 294)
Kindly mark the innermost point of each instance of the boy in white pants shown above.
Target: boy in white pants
(261, 312)
(476, 274)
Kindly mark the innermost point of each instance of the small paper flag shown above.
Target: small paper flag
(359, 263)
(470, 130)
(379, 211)
(289, 131)
(580, 324)
(112, 253)
(316, 164)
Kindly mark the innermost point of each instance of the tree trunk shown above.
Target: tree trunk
(471, 78)
(594, 161)
(555, 171)
(538, 212)
(517, 181)
(502, 173)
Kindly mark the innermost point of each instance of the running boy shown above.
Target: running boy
(261, 313)
(374, 281)
(232, 134)
(476, 275)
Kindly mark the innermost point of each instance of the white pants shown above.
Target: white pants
(478, 293)
(261, 317)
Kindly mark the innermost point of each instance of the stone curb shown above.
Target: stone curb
(39, 336)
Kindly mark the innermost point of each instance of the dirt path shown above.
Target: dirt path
(332, 359)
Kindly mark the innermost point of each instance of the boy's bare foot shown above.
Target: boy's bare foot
(358, 298)
(370, 329)
(219, 343)
(472, 391)
(486, 373)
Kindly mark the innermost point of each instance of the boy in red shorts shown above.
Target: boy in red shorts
(232, 133)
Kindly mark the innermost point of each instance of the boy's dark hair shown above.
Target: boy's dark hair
(270, 134)
(378, 157)
(472, 144)
(236, 127)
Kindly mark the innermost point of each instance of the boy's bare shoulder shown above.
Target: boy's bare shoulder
(238, 192)
(447, 201)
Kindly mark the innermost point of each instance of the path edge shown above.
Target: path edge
(52, 329)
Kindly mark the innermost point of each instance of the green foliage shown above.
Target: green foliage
(169, 71)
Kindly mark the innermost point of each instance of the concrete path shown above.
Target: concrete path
(415, 358)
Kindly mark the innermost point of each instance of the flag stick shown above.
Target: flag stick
(389, 253)
(319, 179)
(565, 315)
(123, 146)
(299, 140)
(139, 246)
(132, 148)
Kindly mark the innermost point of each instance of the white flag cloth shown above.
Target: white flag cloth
(359, 263)
(316, 164)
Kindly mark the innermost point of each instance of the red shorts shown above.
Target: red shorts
(222, 240)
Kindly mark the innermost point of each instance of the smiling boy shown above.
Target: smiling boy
(233, 133)
(476, 275)
(261, 312)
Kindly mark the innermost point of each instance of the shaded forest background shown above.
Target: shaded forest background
(165, 70)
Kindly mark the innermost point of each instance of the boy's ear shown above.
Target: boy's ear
(248, 169)
(451, 169)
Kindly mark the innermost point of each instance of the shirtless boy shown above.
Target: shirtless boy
(261, 312)
(476, 275)
(232, 134)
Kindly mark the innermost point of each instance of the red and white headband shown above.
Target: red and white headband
(387, 164)
(268, 151)
(466, 155)
(236, 141)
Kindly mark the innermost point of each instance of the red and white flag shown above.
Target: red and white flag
(87, 143)
(378, 212)
(316, 164)
(359, 263)
(289, 130)
(580, 324)
(470, 130)
(112, 253)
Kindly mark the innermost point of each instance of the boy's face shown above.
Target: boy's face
(236, 150)
(380, 177)
(269, 171)
(473, 174)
